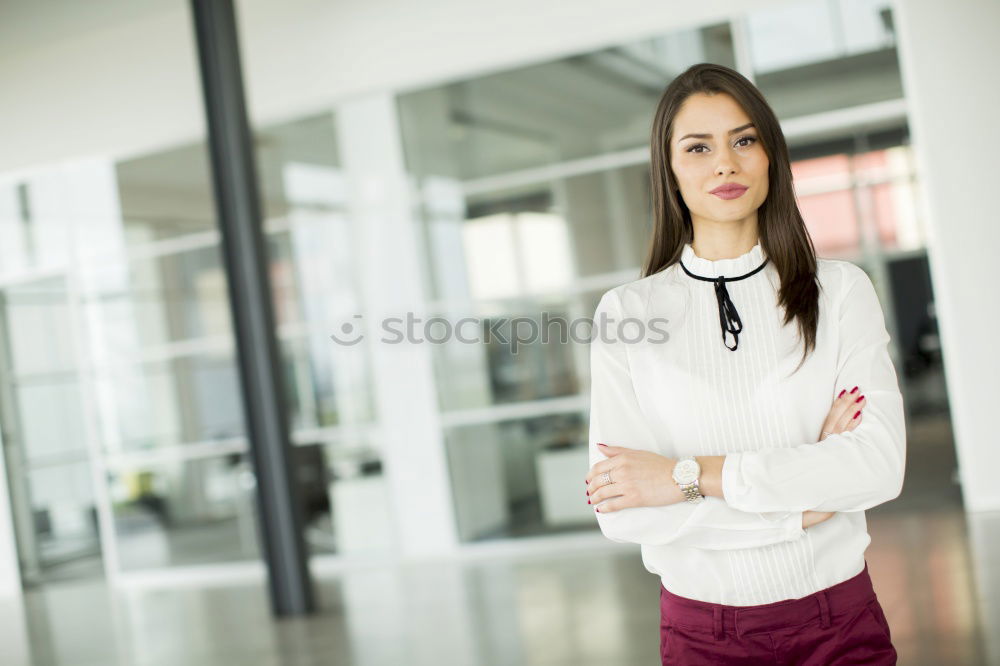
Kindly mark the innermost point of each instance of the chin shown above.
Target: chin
(731, 213)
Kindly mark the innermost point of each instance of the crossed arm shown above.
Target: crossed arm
(755, 498)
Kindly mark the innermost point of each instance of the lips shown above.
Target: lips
(729, 188)
(729, 191)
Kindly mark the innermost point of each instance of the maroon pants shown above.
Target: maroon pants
(843, 624)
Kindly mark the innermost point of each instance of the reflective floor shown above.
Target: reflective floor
(577, 599)
(595, 605)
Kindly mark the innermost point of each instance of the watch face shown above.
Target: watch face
(686, 471)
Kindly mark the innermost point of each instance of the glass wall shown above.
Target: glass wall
(115, 315)
(179, 394)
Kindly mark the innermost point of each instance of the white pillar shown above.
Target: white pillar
(947, 53)
(389, 264)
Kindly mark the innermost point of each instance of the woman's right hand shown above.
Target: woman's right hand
(844, 415)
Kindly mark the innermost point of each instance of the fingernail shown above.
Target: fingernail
(599, 444)
(854, 389)
(860, 398)
(597, 510)
(857, 414)
(588, 501)
(588, 493)
(842, 393)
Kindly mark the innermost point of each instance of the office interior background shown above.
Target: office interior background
(463, 159)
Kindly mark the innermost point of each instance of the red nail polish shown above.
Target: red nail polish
(857, 414)
(588, 501)
(854, 389)
(860, 398)
(597, 510)
(588, 493)
(842, 393)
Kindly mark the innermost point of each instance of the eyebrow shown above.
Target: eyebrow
(709, 136)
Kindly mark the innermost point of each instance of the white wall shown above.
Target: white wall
(948, 58)
(117, 90)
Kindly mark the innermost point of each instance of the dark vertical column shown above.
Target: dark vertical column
(238, 206)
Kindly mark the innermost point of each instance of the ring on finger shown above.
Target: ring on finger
(606, 478)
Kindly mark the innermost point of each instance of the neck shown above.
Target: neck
(717, 241)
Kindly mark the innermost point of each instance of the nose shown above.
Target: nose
(726, 163)
(725, 166)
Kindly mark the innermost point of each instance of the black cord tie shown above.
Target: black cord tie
(729, 318)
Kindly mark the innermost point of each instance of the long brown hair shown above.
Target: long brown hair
(782, 231)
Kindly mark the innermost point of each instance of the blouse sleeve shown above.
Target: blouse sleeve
(616, 419)
(851, 471)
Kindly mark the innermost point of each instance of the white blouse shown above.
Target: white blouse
(675, 388)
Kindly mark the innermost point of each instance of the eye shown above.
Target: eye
(746, 137)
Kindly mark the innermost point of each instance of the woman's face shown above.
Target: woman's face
(717, 156)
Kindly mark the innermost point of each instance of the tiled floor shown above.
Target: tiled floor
(585, 601)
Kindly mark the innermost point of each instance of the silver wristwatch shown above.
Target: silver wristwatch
(686, 473)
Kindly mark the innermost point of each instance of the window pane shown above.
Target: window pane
(65, 518)
(166, 194)
(146, 303)
(812, 31)
(192, 512)
(805, 63)
(184, 400)
(314, 272)
(520, 477)
(326, 384)
(514, 351)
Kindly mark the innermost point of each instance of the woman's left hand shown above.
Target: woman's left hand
(638, 478)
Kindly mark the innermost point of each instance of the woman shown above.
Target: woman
(730, 442)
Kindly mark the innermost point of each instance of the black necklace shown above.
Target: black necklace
(729, 319)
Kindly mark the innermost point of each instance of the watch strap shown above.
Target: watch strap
(692, 493)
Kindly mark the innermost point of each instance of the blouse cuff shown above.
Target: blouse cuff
(733, 488)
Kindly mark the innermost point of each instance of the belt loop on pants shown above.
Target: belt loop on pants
(824, 609)
(719, 634)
